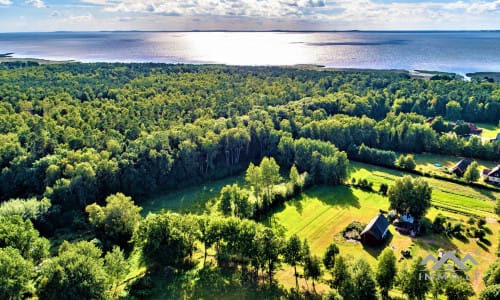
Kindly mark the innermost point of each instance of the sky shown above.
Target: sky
(92, 15)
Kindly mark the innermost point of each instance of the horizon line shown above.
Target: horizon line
(270, 30)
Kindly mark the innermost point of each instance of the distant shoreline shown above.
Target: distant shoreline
(41, 61)
(423, 74)
(271, 31)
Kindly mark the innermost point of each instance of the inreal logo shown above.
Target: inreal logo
(442, 271)
(448, 255)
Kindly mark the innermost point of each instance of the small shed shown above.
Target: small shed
(376, 231)
(460, 168)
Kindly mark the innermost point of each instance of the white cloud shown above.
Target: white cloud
(81, 18)
(36, 3)
(482, 7)
(5, 2)
(289, 14)
(96, 2)
(345, 10)
(247, 8)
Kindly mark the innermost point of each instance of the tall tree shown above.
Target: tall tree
(362, 277)
(270, 247)
(21, 235)
(410, 195)
(270, 174)
(15, 274)
(472, 172)
(491, 292)
(458, 289)
(76, 273)
(116, 266)
(410, 280)
(162, 239)
(254, 178)
(342, 278)
(386, 271)
(332, 295)
(329, 258)
(294, 255)
(312, 269)
(117, 220)
(492, 274)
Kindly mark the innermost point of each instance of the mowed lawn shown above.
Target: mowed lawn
(425, 163)
(489, 130)
(321, 213)
(188, 200)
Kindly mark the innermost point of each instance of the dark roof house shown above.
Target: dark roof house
(460, 168)
(376, 231)
(474, 129)
(492, 176)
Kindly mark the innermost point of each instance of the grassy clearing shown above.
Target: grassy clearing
(321, 213)
(489, 130)
(425, 163)
(188, 200)
(447, 195)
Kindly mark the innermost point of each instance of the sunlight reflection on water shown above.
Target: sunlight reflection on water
(445, 51)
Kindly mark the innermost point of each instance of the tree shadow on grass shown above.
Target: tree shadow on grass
(486, 193)
(482, 246)
(330, 195)
(341, 195)
(434, 242)
(210, 283)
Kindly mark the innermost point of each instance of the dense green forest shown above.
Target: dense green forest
(79, 141)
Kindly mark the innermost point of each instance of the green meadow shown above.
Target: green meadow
(446, 195)
(489, 130)
(320, 214)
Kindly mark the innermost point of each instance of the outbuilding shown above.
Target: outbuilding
(376, 231)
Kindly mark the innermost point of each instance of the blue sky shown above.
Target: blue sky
(51, 15)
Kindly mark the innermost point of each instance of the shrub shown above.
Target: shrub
(353, 230)
(438, 224)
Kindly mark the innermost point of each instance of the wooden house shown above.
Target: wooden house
(376, 231)
(460, 168)
(492, 176)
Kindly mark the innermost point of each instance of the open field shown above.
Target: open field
(489, 130)
(321, 213)
(425, 163)
(190, 199)
(446, 195)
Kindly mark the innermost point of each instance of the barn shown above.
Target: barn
(376, 231)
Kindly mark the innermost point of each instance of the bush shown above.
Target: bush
(479, 233)
(32, 209)
(438, 224)
(353, 230)
(406, 162)
(383, 189)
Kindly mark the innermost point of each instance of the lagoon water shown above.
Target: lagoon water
(458, 52)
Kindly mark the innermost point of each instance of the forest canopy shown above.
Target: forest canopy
(77, 133)
(81, 145)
